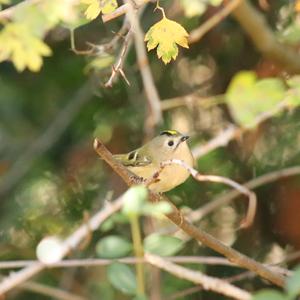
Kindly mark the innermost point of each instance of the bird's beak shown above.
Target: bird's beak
(184, 138)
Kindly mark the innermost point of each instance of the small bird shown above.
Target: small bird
(146, 160)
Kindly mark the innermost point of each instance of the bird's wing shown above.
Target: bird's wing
(133, 159)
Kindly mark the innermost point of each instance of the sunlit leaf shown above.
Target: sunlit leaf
(193, 8)
(165, 35)
(158, 209)
(215, 2)
(163, 245)
(249, 97)
(294, 82)
(95, 7)
(19, 45)
(113, 246)
(293, 283)
(100, 62)
(269, 294)
(122, 278)
(135, 200)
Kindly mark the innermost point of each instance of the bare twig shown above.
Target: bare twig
(220, 140)
(54, 131)
(123, 9)
(198, 33)
(198, 214)
(190, 100)
(197, 233)
(207, 282)
(94, 262)
(118, 67)
(71, 242)
(240, 188)
(148, 82)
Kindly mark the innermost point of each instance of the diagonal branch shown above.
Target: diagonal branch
(70, 243)
(197, 233)
(199, 32)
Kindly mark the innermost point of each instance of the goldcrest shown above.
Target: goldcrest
(146, 160)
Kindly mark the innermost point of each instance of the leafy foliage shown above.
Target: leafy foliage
(122, 278)
(68, 178)
(249, 97)
(113, 246)
(18, 44)
(162, 245)
(165, 35)
(95, 7)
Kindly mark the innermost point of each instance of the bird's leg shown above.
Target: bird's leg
(136, 179)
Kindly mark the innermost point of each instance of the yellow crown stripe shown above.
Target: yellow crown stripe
(170, 132)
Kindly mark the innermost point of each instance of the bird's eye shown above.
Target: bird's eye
(131, 155)
(170, 143)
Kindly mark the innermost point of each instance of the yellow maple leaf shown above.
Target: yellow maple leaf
(297, 6)
(21, 47)
(95, 7)
(165, 35)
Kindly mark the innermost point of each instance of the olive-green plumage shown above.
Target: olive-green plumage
(146, 160)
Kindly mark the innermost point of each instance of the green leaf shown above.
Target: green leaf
(269, 294)
(135, 200)
(193, 8)
(100, 62)
(158, 209)
(122, 278)
(162, 245)
(293, 98)
(293, 283)
(113, 247)
(215, 2)
(248, 97)
(294, 82)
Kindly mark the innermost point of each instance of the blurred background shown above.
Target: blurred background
(50, 176)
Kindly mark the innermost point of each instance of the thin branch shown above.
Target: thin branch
(220, 140)
(44, 142)
(198, 214)
(152, 96)
(94, 262)
(240, 188)
(70, 243)
(197, 233)
(191, 99)
(118, 67)
(123, 9)
(198, 33)
(207, 282)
